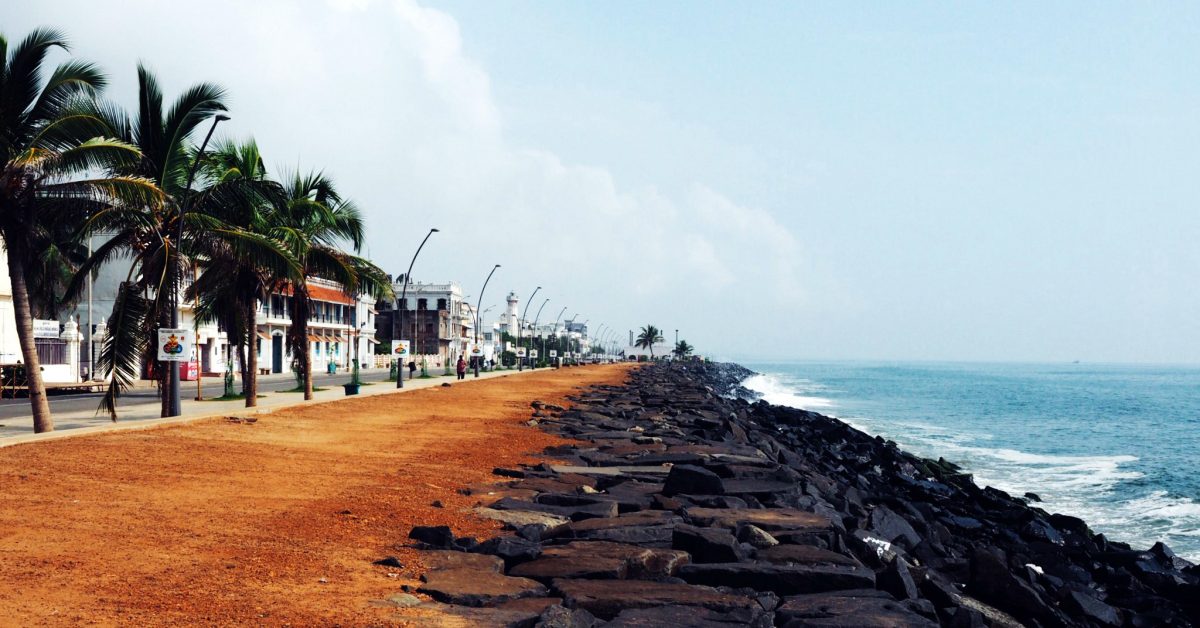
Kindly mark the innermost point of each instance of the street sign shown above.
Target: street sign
(533, 353)
(401, 348)
(175, 345)
(520, 352)
(554, 353)
(476, 350)
(45, 329)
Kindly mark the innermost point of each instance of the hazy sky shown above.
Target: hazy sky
(776, 180)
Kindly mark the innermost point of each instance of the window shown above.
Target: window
(441, 304)
(422, 304)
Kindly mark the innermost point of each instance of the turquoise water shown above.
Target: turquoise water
(1115, 445)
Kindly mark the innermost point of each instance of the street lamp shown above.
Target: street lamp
(479, 316)
(535, 320)
(404, 302)
(520, 362)
(554, 330)
(173, 405)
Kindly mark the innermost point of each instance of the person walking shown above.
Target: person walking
(462, 368)
(412, 368)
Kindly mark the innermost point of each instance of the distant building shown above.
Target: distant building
(432, 316)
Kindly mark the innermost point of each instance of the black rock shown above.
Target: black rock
(433, 536)
(558, 617)
(706, 545)
(693, 480)
(390, 561)
(896, 579)
(513, 550)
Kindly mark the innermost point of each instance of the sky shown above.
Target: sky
(776, 180)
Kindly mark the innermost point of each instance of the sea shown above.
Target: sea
(1116, 445)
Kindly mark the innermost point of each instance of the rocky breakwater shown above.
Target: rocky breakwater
(685, 504)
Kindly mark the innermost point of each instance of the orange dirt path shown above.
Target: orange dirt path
(272, 523)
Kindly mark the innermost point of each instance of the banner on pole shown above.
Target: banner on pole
(520, 352)
(476, 350)
(175, 344)
(533, 353)
(401, 348)
(554, 353)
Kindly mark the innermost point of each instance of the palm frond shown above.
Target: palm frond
(120, 356)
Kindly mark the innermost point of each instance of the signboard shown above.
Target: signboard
(520, 352)
(401, 348)
(476, 350)
(508, 346)
(175, 345)
(554, 353)
(533, 353)
(45, 329)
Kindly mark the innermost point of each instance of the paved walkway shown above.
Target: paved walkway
(139, 409)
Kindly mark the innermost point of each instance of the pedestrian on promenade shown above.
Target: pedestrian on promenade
(462, 368)
(412, 368)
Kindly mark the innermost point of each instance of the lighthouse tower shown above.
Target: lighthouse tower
(510, 317)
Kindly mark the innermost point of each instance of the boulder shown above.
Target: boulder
(706, 545)
(518, 518)
(690, 479)
(599, 559)
(440, 560)
(513, 550)
(891, 527)
(561, 617)
(432, 536)
(756, 537)
(896, 579)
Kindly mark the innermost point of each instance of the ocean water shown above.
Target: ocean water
(1118, 446)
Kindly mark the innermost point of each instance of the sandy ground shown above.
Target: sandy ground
(271, 523)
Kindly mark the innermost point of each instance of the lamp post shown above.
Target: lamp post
(533, 364)
(478, 315)
(521, 324)
(173, 406)
(404, 302)
(554, 330)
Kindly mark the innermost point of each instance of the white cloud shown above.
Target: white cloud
(384, 97)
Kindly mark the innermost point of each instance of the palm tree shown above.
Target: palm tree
(312, 224)
(150, 233)
(648, 336)
(239, 272)
(682, 349)
(58, 151)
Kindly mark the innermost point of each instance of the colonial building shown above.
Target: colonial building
(434, 317)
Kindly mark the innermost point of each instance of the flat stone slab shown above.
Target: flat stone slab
(767, 519)
(474, 616)
(689, 617)
(756, 487)
(601, 559)
(834, 611)
(613, 471)
(782, 579)
(518, 518)
(803, 555)
(476, 587)
(607, 598)
(640, 518)
(440, 560)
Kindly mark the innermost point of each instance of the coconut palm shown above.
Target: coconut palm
(648, 336)
(148, 233)
(58, 153)
(312, 225)
(682, 349)
(166, 238)
(239, 272)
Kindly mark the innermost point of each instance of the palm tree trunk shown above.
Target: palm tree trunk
(252, 355)
(241, 349)
(42, 421)
(299, 336)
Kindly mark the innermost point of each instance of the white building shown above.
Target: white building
(340, 327)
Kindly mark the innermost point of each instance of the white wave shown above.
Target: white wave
(777, 392)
